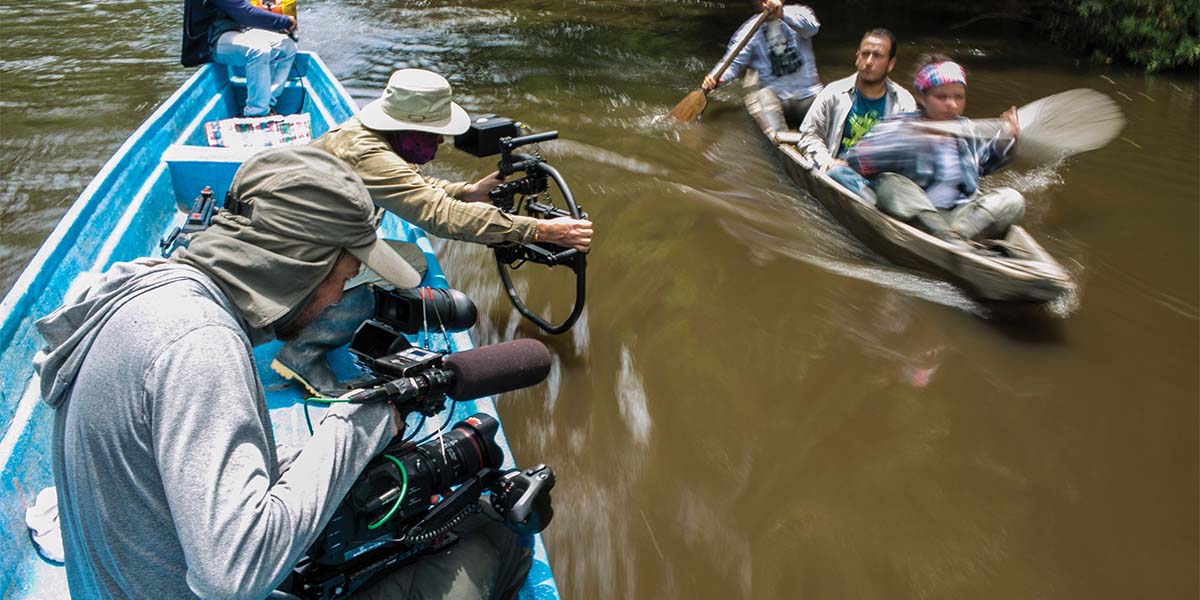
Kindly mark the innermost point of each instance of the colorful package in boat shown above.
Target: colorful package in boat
(259, 132)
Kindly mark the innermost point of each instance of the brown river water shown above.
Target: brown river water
(755, 405)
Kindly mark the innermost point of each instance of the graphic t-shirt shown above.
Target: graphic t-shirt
(864, 114)
(784, 58)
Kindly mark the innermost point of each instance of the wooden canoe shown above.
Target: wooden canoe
(1030, 275)
(140, 195)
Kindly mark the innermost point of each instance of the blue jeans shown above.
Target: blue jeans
(851, 180)
(267, 57)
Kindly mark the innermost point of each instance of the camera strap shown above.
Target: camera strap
(426, 294)
(426, 299)
(237, 206)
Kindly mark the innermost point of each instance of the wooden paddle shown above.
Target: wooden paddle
(693, 104)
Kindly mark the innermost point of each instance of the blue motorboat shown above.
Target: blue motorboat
(140, 195)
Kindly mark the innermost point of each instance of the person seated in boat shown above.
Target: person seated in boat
(169, 481)
(925, 166)
(237, 33)
(386, 144)
(781, 52)
(848, 108)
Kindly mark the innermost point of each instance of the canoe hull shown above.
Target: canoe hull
(1035, 278)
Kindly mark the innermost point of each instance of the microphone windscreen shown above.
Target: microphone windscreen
(497, 368)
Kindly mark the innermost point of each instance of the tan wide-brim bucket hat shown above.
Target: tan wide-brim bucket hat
(415, 100)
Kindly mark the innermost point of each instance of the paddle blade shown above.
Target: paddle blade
(689, 108)
(1066, 124)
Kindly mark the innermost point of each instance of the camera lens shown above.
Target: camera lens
(470, 446)
(427, 472)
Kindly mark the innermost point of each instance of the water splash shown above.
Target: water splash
(631, 394)
(581, 334)
(1036, 180)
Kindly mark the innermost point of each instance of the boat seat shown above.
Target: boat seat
(193, 167)
(237, 77)
(290, 99)
(299, 71)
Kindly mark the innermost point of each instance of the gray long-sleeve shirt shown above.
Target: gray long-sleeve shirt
(168, 480)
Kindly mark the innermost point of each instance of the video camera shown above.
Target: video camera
(390, 516)
(489, 135)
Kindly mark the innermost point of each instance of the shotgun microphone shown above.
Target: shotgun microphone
(467, 375)
(497, 368)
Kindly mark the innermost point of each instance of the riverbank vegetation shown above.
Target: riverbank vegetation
(1153, 34)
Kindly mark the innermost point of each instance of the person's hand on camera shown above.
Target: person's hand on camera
(397, 417)
(710, 83)
(567, 232)
(397, 421)
(478, 191)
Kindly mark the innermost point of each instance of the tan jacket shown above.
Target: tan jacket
(427, 202)
(822, 126)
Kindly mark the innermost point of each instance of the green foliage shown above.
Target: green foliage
(1156, 34)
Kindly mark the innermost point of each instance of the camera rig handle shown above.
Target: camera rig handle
(525, 499)
(507, 166)
(536, 183)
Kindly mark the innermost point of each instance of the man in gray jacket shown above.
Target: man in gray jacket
(169, 481)
(846, 109)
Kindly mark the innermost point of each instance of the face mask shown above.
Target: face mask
(416, 147)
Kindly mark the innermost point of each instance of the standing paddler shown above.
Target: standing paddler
(781, 51)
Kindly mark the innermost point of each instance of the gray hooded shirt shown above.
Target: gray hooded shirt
(169, 485)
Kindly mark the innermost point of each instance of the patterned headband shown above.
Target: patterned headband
(939, 73)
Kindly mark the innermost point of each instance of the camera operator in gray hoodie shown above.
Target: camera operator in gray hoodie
(169, 481)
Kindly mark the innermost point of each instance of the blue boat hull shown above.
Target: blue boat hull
(139, 195)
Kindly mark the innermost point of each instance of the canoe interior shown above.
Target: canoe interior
(138, 196)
